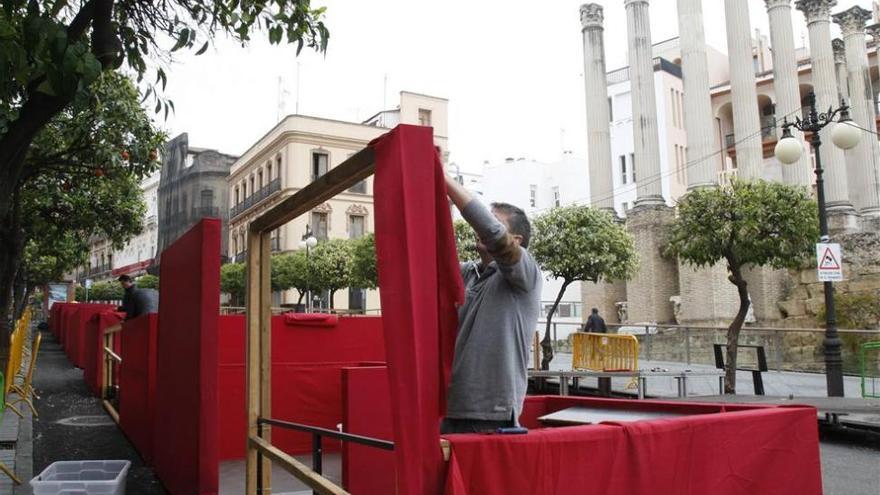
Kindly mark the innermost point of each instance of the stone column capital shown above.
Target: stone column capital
(815, 10)
(853, 20)
(874, 31)
(592, 16)
(839, 48)
(627, 3)
(772, 4)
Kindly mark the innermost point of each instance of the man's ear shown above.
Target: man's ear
(518, 238)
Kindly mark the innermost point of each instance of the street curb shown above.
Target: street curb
(24, 454)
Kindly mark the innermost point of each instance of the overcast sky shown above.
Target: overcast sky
(510, 69)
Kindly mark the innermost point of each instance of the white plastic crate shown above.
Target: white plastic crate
(82, 478)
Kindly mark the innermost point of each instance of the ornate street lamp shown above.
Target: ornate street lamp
(308, 242)
(844, 135)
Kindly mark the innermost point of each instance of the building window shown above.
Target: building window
(190, 159)
(610, 110)
(556, 196)
(237, 197)
(244, 190)
(360, 187)
(424, 117)
(277, 167)
(274, 241)
(319, 225)
(533, 195)
(253, 189)
(623, 176)
(632, 163)
(207, 198)
(319, 165)
(357, 299)
(269, 172)
(234, 244)
(260, 183)
(356, 226)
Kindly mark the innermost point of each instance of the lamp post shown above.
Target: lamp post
(308, 242)
(845, 135)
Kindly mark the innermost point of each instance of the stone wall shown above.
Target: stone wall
(649, 291)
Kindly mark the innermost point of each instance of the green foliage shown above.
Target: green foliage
(79, 186)
(854, 310)
(465, 241)
(232, 282)
(148, 282)
(330, 265)
(106, 291)
(59, 49)
(364, 273)
(581, 243)
(290, 271)
(754, 223)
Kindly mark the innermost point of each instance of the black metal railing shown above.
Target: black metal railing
(99, 269)
(768, 132)
(317, 434)
(264, 192)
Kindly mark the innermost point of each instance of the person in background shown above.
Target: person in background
(135, 301)
(595, 323)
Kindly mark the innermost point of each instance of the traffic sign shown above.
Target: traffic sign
(829, 262)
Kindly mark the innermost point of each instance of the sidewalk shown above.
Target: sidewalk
(73, 424)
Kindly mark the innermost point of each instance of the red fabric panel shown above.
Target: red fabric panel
(137, 382)
(304, 389)
(76, 332)
(314, 319)
(759, 451)
(186, 426)
(54, 321)
(367, 411)
(93, 358)
(421, 284)
(67, 313)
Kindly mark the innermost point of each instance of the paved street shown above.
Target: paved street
(781, 383)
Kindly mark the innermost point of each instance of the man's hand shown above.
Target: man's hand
(458, 194)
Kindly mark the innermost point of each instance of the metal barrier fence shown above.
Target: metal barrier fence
(604, 352)
(870, 364)
(787, 349)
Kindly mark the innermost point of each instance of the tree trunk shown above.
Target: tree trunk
(332, 294)
(19, 294)
(546, 342)
(302, 294)
(733, 330)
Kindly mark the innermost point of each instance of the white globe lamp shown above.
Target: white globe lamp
(311, 242)
(845, 134)
(788, 150)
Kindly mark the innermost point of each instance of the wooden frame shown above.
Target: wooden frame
(260, 452)
(109, 361)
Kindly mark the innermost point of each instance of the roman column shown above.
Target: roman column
(817, 13)
(644, 106)
(649, 291)
(698, 122)
(785, 81)
(839, 49)
(746, 122)
(596, 92)
(861, 176)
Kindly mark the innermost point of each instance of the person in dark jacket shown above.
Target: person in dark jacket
(595, 323)
(135, 301)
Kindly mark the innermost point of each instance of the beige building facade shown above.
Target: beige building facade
(298, 150)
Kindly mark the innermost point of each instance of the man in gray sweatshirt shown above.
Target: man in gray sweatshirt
(496, 321)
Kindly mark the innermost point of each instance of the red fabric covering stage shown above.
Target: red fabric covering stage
(137, 382)
(93, 353)
(77, 317)
(749, 451)
(718, 449)
(421, 284)
(307, 363)
(185, 429)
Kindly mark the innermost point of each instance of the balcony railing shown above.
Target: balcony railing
(726, 176)
(95, 270)
(768, 132)
(264, 192)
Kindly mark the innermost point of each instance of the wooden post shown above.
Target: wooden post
(253, 357)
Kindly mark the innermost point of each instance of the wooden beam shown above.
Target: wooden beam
(345, 175)
(266, 349)
(111, 410)
(446, 448)
(302, 472)
(253, 356)
(113, 329)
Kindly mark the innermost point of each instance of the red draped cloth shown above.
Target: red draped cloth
(421, 285)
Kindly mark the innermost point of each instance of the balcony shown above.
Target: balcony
(264, 192)
(96, 270)
(768, 133)
(725, 177)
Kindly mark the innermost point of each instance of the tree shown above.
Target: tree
(330, 266)
(749, 224)
(290, 271)
(579, 243)
(364, 273)
(81, 179)
(232, 282)
(53, 53)
(108, 290)
(148, 282)
(465, 241)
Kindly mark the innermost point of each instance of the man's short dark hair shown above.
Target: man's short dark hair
(595, 311)
(517, 221)
(124, 278)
